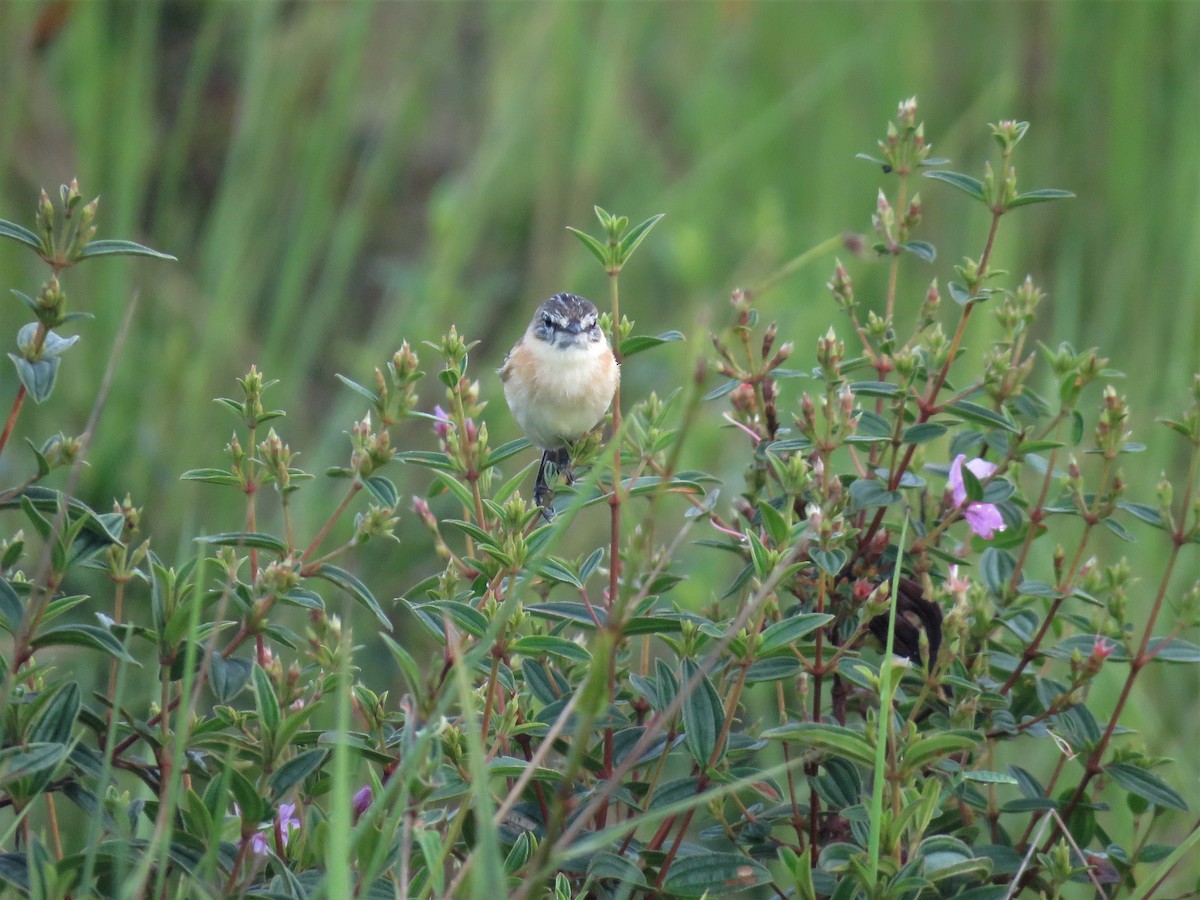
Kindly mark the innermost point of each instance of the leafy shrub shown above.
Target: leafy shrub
(903, 541)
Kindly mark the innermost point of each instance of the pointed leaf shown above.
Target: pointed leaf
(713, 874)
(639, 342)
(703, 718)
(90, 636)
(355, 589)
(121, 248)
(636, 235)
(1041, 195)
(972, 187)
(382, 490)
(366, 393)
(923, 249)
(791, 629)
(1143, 784)
(20, 233)
(251, 539)
(265, 701)
(598, 249)
(56, 719)
(295, 770)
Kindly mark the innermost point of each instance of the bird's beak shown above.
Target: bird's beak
(574, 327)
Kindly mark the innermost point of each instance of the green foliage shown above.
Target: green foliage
(568, 726)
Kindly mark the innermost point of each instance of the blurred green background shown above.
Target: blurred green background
(336, 177)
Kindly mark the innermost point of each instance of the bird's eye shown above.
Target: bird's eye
(547, 321)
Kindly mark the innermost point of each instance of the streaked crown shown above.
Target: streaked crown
(567, 318)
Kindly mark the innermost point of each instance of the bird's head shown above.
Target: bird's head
(567, 321)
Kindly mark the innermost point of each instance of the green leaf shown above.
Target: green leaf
(227, 677)
(210, 476)
(639, 342)
(1147, 514)
(874, 389)
(996, 567)
(38, 377)
(981, 415)
(11, 608)
(455, 487)
(265, 700)
(829, 561)
(18, 762)
(713, 874)
(1143, 784)
(404, 659)
(972, 187)
(1119, 530)
(760, 556)
(355, 589)
(471, 530)
(554, 569)
(428, 458)
(925, 431)
(296, 770)
(20, 233)
(1173, 650)
(774, 522)
(598, 250)
(382, 490)
(776, 668)
(790, 630)
(250, 539)
(866, 493)
(924, 250)
(926, 750)
(985, 777)
(636, 235)
(89, 636)
(703, 718)
(121, 248)
(826, 737)
(504, 451)
(1041, 195)
(607, 864)
(572, 612)
(549, 645)
(56, 719)
(366, 393)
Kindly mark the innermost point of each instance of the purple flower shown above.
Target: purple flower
(984, 518)
(361, 801)
(442, 423)
(288, 822)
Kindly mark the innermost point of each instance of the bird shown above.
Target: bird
(559, 380)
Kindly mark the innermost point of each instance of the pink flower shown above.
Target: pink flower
(984, 518)
(1102, 648)
(958, 587)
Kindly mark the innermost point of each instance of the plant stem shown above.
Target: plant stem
(12, 417)
(355, 487)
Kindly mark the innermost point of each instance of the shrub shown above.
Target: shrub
(912, 604)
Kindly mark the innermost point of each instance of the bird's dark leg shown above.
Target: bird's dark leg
(541, 491)
(562, 462)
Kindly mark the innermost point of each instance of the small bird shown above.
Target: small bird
(559, 380)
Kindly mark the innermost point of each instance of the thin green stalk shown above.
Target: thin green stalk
(884, 723)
